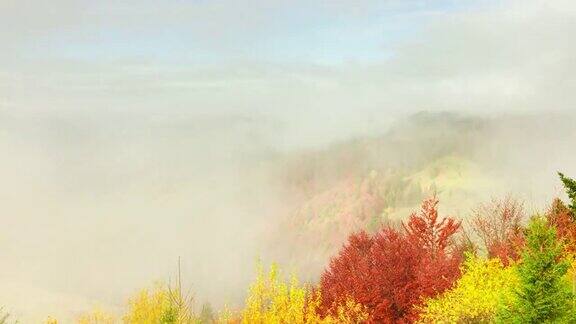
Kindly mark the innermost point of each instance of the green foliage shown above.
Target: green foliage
(543, 295)
(476, 296)
(570, 186)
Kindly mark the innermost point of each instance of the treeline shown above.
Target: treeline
(502, 266)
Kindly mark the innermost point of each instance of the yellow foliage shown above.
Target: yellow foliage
(227, 316)
(51, 320)
(271, 300)
(476, 296)
(571, 273)
(96, 316)
(349, 312)
(159, 305)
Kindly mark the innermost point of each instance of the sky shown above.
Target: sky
(323, 32)
(130, 129)
(284, 60)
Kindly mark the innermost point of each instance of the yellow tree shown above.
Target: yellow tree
(149, 306)
(476, 296)
(97, 316)
(161, 304)
(272, 300)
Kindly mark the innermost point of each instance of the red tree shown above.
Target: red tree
(499, 226)
(562, 219)
(391, 271)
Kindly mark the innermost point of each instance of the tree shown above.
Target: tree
(159, 305)
(476, 295)
(271, 300)
(391, 271)
(570, 186)
(96, 316)
(543, 295)
(561, 217)
(498, 225)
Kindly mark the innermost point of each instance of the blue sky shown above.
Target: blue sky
(320, 32)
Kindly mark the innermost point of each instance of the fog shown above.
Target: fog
(133, 135)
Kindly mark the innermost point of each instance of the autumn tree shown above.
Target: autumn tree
(160, 304)
(543, 295)
(96, 316)
(391, 271)
(498, 225)
(560, 216)
(476, 296)
(272, 300)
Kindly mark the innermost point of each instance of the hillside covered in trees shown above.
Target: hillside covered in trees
(424, 235)
(502, 265)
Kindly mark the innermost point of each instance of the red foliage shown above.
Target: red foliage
(562, 219)
(426, 231)
(391, 271)
(498, 224)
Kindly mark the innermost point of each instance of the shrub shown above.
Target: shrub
(476, 295)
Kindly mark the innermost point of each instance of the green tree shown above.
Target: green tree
(543, 295)
(570, 186)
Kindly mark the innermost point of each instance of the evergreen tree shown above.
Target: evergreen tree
(570, 186)
(543, 295)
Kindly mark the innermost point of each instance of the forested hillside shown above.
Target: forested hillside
(414, 225)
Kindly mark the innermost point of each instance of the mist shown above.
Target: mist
(131, 136)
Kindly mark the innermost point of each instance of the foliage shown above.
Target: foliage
(226, 315)
(498, 225)
(570, 186)
(161, 304)
(271, 300)
(476, 295)
(391, 271)
(96, 316)
(543, 295)
(412, 272)
(560, 216)
(349, 311)
(51, 320)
